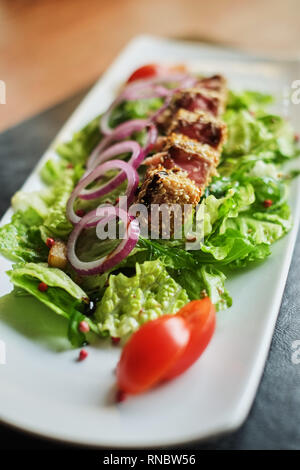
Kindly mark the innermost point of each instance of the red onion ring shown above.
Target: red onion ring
(121, 132)
(119, 148)
(127, 171)
(113, 258)
(152, 137)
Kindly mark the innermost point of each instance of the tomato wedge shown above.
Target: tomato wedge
(151, 352)
(146, 71)
(200, 316)
(164, 348)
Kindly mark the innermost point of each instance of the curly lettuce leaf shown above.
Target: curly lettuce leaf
(268, 135)
(238, 228)
(128, 302)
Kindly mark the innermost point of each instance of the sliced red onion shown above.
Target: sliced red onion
(127, 172)
(117, 149)
(125, 129)
(104, 214)
(104, 120)
(121, 132)
(152, 137)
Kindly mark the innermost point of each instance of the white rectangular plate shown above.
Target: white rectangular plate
(45, 391)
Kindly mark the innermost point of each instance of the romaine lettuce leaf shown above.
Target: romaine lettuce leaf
(128, 302)
(205, 280)
(245, 133)
(54, 169)
(226, 247)
(31, 205)
(20, 241)
(56, 223)
(63, 295)
(250, 100)
(82, 143)
(268, 135)
(30, 275)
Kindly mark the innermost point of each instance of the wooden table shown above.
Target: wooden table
(49, 49)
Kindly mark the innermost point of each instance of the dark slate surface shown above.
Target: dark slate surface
(274, 421)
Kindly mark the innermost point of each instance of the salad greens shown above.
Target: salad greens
(159, 276)
(129, 302)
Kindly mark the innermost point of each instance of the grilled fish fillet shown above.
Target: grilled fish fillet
(188, 152)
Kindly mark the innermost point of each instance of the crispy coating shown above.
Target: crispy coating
(170, 186)
(197, 160)
(169, 196)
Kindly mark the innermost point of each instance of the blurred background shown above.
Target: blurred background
(51, 49)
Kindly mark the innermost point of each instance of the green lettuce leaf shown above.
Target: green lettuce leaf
(20, 241)
(136, 109)
(30, 275)
(82, 143)
(63, 296)
(206, 280)
(31, 205)
(53, 170)
(128, 302)
(250, 100)
(56, 223)
(268, 135)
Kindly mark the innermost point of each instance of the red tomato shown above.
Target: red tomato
(200, 317)
(146, 71)
(151, 352)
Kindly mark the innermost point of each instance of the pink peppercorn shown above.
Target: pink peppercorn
(267, 203)
(42, 287)
(50, 242)
(83, 327)
(115, 340)
(83, 354)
